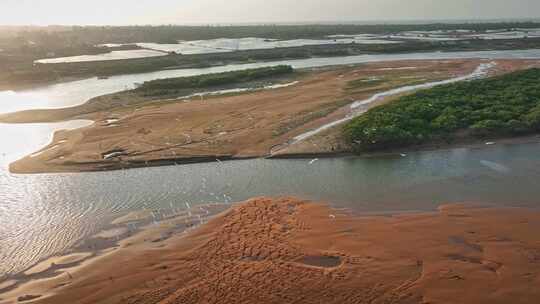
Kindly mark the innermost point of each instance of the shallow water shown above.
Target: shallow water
(44, 214)
(222, 45)
(230, 45)
(464, 34)
(77, 92)
(114, 55)
(19, 140)
(253, 43)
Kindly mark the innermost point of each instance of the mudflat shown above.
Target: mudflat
(286, 250)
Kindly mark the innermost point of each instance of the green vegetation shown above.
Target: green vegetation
(91, 35)
(169, 86)
(21, 46)
(500, 106)
(17, 67)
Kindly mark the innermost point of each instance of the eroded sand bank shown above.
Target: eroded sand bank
(291, 251)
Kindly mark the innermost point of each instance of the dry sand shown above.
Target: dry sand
(224, 127)
(291, 251)
(140, 134)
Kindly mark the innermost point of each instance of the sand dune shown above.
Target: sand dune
(291, 251)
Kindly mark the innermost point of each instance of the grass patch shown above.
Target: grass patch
(365, 83)
(500, 106)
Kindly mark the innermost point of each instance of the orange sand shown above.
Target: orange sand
(291, 251)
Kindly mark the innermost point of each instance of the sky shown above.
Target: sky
(122, 12)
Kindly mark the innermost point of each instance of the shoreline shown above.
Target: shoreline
(470, 143)
(428, 147)
(140, 226)
(302, 246)
(32, 84)
(36, 85)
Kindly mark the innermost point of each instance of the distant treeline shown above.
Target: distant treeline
(79, 35)
(18, 68)
(500, 106)
(170, 85)
(59, 41)
(20, 46)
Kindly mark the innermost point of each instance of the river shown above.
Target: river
(44, 214)
(48, 213)
(78, 92)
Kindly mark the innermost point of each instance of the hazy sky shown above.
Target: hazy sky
(115, 12)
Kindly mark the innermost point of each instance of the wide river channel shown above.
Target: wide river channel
(44, 214)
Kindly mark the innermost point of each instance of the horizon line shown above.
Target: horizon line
(313, 22)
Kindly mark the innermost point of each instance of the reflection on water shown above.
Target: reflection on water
(114, 55)
(19, 140)
(253, 43)
(223, 45)
(77, 92)
(44, 214)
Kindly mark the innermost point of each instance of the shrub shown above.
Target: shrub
(532, 119)
(217, 79)
(487, 127)
(502, 105)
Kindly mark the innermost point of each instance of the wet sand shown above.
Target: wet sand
(146, 229)
(292, 251)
